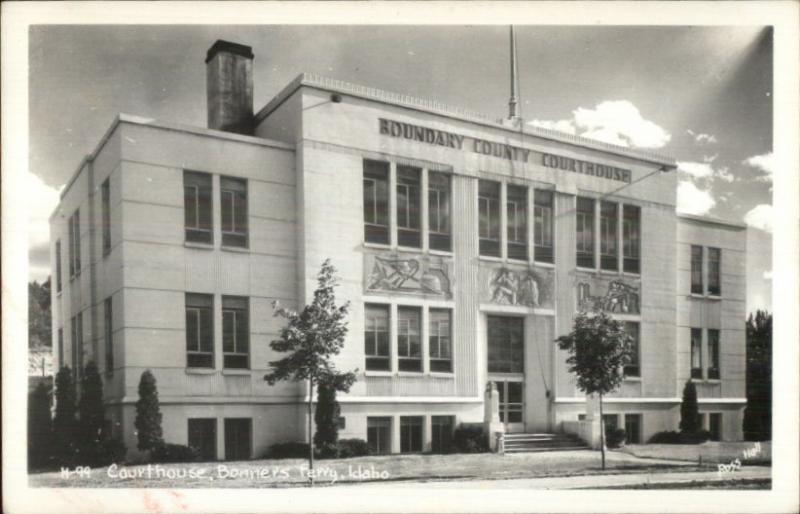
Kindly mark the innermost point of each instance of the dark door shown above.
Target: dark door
(203, 437)
(238, 438)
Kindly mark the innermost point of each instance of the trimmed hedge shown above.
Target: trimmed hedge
(344, 448)
(470, 439)
(353, 448)
(168, 452)
(672, 437)
(616, 437)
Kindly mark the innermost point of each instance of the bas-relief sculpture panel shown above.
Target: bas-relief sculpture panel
(527, 287)
(609, 294)
(392, 272)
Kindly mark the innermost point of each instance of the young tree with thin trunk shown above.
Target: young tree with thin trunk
(311, 338)
(599, 347)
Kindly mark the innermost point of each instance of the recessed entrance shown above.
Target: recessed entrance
(506, 367)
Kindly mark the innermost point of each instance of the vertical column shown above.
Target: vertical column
(216, 206)
(530, 222)
(424, 334)
(503, 221)
(220, 423)
(395, 432)
(393, 337)
(620, 238)
(424, 208)
(427, 433)
(597, 238)
(393, 204)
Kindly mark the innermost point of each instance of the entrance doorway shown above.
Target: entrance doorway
(506, 367)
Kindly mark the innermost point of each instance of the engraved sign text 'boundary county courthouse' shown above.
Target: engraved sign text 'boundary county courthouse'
(501, 150)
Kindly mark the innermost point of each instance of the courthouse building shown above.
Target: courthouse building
(464, 245)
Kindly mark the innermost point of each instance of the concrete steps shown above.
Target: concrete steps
(530, 443)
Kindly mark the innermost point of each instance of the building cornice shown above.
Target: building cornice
(705, 220)
(458, 113)
(676, 399)
(246, 400)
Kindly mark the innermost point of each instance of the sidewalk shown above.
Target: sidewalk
(588, 481)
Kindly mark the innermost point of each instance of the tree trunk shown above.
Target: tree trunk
(310, 430)
(602, 435)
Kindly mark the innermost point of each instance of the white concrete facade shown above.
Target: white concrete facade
(304, 170)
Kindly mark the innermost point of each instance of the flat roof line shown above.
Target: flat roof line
(711, 221)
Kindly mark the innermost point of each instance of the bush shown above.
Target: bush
(292, 450)
(40, 433)
(148, 414)
(353, 448)
(167, 452)
(325, 451)
(615, 438)
(690, 415)
(99, 453)
(672, 437)
(470, 439)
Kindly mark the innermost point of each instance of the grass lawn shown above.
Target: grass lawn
(294, 472)
(710, 452)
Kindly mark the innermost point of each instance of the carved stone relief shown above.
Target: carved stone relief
(414, 274)
(525, 287)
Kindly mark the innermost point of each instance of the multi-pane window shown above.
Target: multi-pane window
(105, 193)
(439, 346)
(379, 435)
(376, 201)
(696, 359)
(408, 206)
(608, 236)
(411, 434)
(197, 207)
(584, 232)
(442, 433)
(77, 345)
(633, 428)
(199, 330)
(713, 271)
(235, 332)
(543, 225)
(75, 243)
(610, 422)
(631, 228)
(58, 266)
(713, 353)
(108, 334)
(238, 438)
(505, 344)
(517, 222)
(60, 347)
(439, 211)
(376, 337)
(633, 367)
(409, 354)
(203, 437)
(697, 269)
(233, 204)
(489, 217)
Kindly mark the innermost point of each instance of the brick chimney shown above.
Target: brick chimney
(229, 87)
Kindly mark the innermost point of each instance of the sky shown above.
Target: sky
(701, 95)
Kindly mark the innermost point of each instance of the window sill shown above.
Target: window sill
(490, 258)
(714, 297)
(441, 253)
(233, 371)
(713, 381)
(632, 379)
(376, 373)
(442, 374)
(410, 374)
(198, 246)
(587, 270)
(609, 272)
(200, 371)
(631, 274)
(378, 246)
(544, 264)
(235, 249)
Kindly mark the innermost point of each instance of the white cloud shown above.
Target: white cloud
(760, 217)
(701, 138)
(764, 162)
(710, 158)
(725, 175)
(696, 169)
(41, 201)
(617, 122)
(693, 200)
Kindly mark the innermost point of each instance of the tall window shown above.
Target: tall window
(713, 353)
(376, 202)
(489, 217)
(379, 435)
(58, 266)
(235, 332)
(108, 334)
(633, 428)
(608, 235)
(506, 344)
(197, 207)
(77, 345)
(697, 269)
(409, 354)
(713, 271)
(203, 437)
(105, 191)
(408, 206)
(633, 368)
(543, 226)
(74, 244)
(517, 222)
(233, 203)
(238, 438)
(442, 433)
(439, 340)
(584, 236)
(61, 362)
(439, 211)
(199, 330)
(376, 337)
(631, 216)
(697, 363)
(715, 425)
(411, 434)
